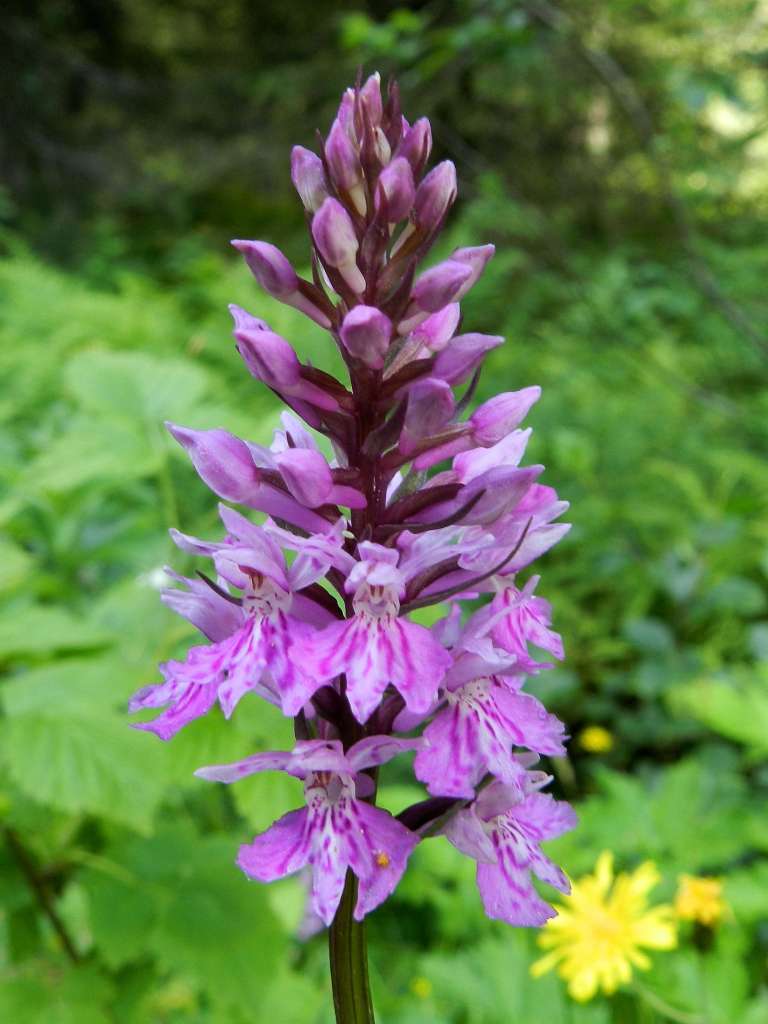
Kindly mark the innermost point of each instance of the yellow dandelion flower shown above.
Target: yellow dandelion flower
(700, 899)
(596, 739)
(596, 938)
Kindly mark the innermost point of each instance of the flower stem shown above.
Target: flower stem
(349, 961)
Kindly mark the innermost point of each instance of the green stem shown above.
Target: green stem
(349, 961)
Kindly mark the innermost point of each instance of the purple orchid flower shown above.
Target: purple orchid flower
(375, 647)
(256, 655)
(502, 830)
(336, 830)
(378, 497)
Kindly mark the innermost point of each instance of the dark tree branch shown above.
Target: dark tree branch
(35, 880)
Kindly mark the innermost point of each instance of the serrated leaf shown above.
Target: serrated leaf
(77, 685)
(89, 764)
(121, 913)
(200, 915)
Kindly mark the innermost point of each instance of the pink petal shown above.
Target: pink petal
(190, 701)
(374, 653)
(508, 895)
(281, 850)
(380, 865)
(375, 750)
(465, 831)
(276, 760)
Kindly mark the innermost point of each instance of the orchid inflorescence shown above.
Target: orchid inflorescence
(380, 531)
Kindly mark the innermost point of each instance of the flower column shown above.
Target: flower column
(419, 507)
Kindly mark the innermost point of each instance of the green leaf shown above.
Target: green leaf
(134, 385)
(76, 686)
(91, 451)
(15, 565)
(200, 916)
(84, 762)
(41, 629)
(121, 914)
(44, 994)
(746, 892)
(735, 706)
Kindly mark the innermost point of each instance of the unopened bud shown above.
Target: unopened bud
(416, 143)
(335, 238)
(460, 359)
(269, 266)
(276, 276)
(270, 358)
(343, 161)
(397, 187)
(497, 417)
(245, 321)
(308, 177)
(475, 257)
(370, 97)
(309, 479)
(223, 461)
(430, 406)
(437, 330)
(435, 195)
(366, 333)
(432, 290)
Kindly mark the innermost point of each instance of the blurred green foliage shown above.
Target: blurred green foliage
(614, 153)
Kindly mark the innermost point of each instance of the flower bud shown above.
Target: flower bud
(244, 321)
(308, 177)
(432, 290)
(397, 188)
(435, 195)
(278, 278)
(222, 461)
(366, 333)
(346, 115)
(335, 238)
(269, 266)
(271, 359)
(344, 163)
(370, 97)
(437, 330)
(309, 479)
(497, 417)
(507, 452)
(476, 258)
(459, 360)
(438, 286)
(381, 146)
(416, 143)
(430, 406)
(226, 465)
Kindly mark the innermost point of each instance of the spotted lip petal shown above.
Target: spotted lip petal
(255, 657)
(475, 733)
(330, 835)
(512, 837)
(374, 653)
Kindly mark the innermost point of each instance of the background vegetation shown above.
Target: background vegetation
(615, 153)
